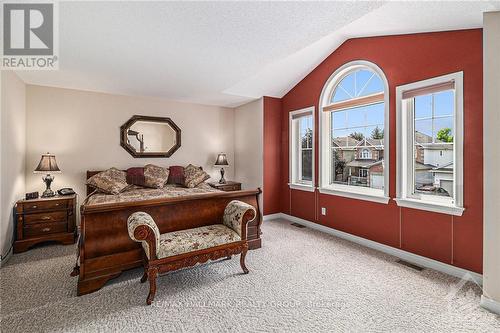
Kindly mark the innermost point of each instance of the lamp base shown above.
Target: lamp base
(48, 192)
(222, 180)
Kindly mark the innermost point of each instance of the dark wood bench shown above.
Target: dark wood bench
(184, 248)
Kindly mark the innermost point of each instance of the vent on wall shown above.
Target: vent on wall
(409, 264)
(298, 225)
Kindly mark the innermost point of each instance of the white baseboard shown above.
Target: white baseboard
(407, 256)
(490, 304)
(6, 257)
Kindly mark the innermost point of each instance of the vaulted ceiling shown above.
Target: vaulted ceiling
(224, 53)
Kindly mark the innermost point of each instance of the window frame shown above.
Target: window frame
(404, 154)
(296, 167)
(325, 153)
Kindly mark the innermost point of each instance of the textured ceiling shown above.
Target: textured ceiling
(224, 53)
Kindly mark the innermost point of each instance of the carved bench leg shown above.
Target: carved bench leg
(152, 275)
(242, 260)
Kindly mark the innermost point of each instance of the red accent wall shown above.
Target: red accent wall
(272, 155)
(404, 59)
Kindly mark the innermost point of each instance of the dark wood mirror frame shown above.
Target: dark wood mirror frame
(124, 142)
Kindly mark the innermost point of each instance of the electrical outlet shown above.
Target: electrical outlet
(323, 210)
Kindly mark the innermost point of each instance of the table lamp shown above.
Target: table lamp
(47, 165)
(222, 162)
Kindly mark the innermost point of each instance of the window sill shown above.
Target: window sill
(302, 187)
(355, 195)
(431, 207)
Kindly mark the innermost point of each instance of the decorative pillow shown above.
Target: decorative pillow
(135, 176)
(111, 181)
(176, 175)
(155, 176)
(194, 176)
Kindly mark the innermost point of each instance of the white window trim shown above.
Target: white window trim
(403, 173)
(300, 185)
(361, 193)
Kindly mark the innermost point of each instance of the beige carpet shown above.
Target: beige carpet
(301, 280)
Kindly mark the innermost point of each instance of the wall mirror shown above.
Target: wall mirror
(144, 136)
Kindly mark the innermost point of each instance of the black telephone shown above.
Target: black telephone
(66, 191)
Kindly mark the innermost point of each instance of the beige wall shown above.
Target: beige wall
(248, 144)
(83, 130)
(13, 148)
(491, 124)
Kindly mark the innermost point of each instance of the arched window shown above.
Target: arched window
(353, 123)
(366, 154)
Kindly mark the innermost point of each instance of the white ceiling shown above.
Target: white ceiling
(224, 53)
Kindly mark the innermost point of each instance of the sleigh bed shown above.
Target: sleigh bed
(105, 248)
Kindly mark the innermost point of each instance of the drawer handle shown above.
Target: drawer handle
(57, 204)
(46, 218)
(34, 206)
(45, 229)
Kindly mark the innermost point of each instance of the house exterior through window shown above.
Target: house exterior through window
(354, 128)
(430, 132)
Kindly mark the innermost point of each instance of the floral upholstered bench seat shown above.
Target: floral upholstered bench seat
(179, 242)
(184, 248)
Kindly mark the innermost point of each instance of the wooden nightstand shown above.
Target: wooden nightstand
(228, 186)
(45, 219)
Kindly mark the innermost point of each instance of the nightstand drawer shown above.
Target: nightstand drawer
(44, 205)
(46, 217)
(41, 229)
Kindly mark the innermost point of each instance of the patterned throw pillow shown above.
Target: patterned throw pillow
(111, 181)
(176, 175)
(155, 176)
(135, 176)
(194, 176)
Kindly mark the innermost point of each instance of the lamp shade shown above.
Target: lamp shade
(221, 159)
(47, 164)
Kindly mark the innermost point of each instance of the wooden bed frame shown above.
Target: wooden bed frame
(106, 249)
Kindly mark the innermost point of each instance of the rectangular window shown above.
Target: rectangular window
(363, 173)
(302, 149)
(430, 132)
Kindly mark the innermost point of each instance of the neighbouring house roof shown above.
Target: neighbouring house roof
(422, 166)
(425, 141)
(377, 143)
(422, 138)
(438, 146)
(345, 142)
(444, 168)
(363, 163)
